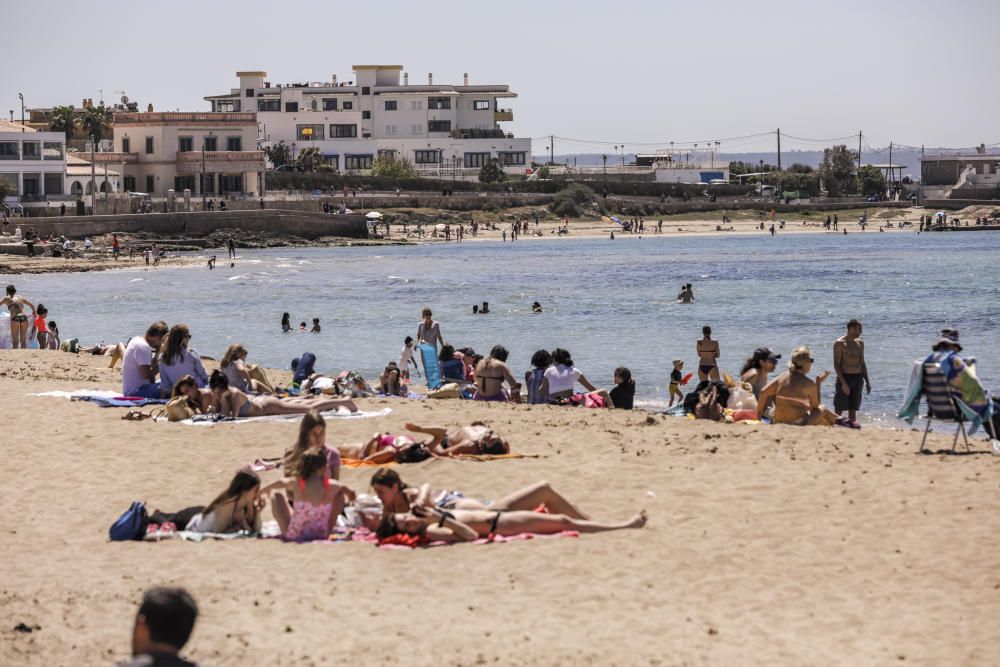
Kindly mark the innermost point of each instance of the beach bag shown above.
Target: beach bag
(450, 390)
(131, 525)
(741, 397)
(708, 406)
(178, 409)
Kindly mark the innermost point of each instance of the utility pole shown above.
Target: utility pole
(93, 177)
(859, 150)
(890, 165)
(552, 150)
(21, 95)
(780, 191)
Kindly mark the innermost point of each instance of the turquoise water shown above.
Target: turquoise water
(609, 302)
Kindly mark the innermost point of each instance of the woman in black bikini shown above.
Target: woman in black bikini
(708, 353)
(231, 402)
(490, 375)
(476, 438)
(18, 319)
(434, 524)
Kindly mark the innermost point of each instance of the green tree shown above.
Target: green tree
(872, 180)
(96, 121)
(63, 120)
(278, 154)
(492, 172)
(389, 166)
(800, 169)
(837, 170)
(572, 200)
(310, 159)
(5, 190)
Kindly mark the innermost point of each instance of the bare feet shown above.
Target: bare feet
(639, 520)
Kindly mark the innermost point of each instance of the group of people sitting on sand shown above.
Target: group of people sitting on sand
(308, 500)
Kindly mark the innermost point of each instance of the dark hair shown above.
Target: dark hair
(170, 614)
(447, 353)
(387, 527)
(625, 374)
(175, 340)
(184, 380)
(11, 290)
(561, 356)
(52, 324)
(315, 320)
(40, 309)
(286, 318)
(158, 329)
(541, 359)
(706, 330)
(752, 362)
(853, 323)
(218, 380)
(387, 477)
(427, 313)
(408, 339)
(499, 352)
(311, 462)
(242, 481)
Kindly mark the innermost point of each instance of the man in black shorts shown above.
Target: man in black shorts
(852, 373)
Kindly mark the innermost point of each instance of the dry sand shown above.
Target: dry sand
(765, 545)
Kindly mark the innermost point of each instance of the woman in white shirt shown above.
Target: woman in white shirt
(559, 380)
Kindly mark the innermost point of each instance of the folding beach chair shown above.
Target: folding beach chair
(941, 403)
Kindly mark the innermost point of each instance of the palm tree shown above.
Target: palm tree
(63, 120)
(96, 120)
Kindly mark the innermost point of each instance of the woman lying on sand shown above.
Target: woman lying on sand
(236, 508)
(386, 448)
(232, 402)
(398, 497)
(200, 400)
(467, 525)
(476, 438)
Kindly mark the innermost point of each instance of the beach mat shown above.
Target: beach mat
(414, 542)
(331, 414)
(432, 369)
(104, 398)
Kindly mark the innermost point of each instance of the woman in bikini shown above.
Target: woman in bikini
(708, 354)
(432, 524)
(386, 448)
(231, 402)
(490, 375)
(234, 365)
(18, 318)
(236, 508)
(201, 400)
(476, 438)
(398, 497)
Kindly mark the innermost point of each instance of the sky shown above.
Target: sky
(593, 74)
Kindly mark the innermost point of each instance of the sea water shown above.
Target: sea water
(610, 303)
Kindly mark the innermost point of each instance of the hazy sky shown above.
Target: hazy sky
(920, 72)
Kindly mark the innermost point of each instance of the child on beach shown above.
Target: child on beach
(316, 501)
(623, 393)
(406, 358)
(53, 342)
(302, 327)
(316, 328)
(41, 330)
(675, 382)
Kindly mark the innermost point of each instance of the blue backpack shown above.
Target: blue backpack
(131, 525)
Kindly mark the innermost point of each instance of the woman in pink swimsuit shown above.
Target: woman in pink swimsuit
(317, 504)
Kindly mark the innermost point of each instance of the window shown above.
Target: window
(31, 184)
(439, 126)
(126, 145)
(149, 145)
(357, 162)
(426, 157)
(211, 144)
(386, 154)
(390, 129)
(9, 151)
(54, 184)
(185, 144)
(231, 183)
(365, 90)
(417, 129)
(129, 184)
(347, 106)
(480, 105)
(329, 104)
(309, 133)
(208, 183)
(512, 158)
(416, 105)
(227, 105)
(52, 150)
(438, 102)
(30, 150)
(365, 115)
(182, 183)
(332, 159)
(476, 159)
(390, 105)
(343, 131)
(249, 92)
(234, 143)
(291, 107)
(150, 183)
(268, 105)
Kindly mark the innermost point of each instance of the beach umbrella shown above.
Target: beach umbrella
(374, 215)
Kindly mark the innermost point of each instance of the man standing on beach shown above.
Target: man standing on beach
(231, 244)
(849, 364)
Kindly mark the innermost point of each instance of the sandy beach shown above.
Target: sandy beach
(765, 544)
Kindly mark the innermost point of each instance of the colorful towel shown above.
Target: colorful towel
(332, 414)
(104, 398)
(414, 541)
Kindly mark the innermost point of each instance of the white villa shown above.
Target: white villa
(32, 162)
(440, 128)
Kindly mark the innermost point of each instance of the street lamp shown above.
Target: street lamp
(605, 158)
(21, 95)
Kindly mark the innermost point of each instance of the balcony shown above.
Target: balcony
(502, 115)
(220, 161)
(167, 117)
(108, 157)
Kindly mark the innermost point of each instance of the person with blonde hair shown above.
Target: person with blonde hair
(795, 395)
(241, 375)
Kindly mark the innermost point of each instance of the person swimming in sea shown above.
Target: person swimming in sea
(536, 307)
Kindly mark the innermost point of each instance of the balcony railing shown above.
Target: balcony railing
(116, 158)
(221, 156)
(502, 115)
(184, 117)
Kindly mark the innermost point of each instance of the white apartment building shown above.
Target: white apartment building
(437, 127)
(32, 162)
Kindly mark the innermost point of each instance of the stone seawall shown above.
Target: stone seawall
(304, 224)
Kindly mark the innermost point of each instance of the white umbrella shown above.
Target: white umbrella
(374, 215)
